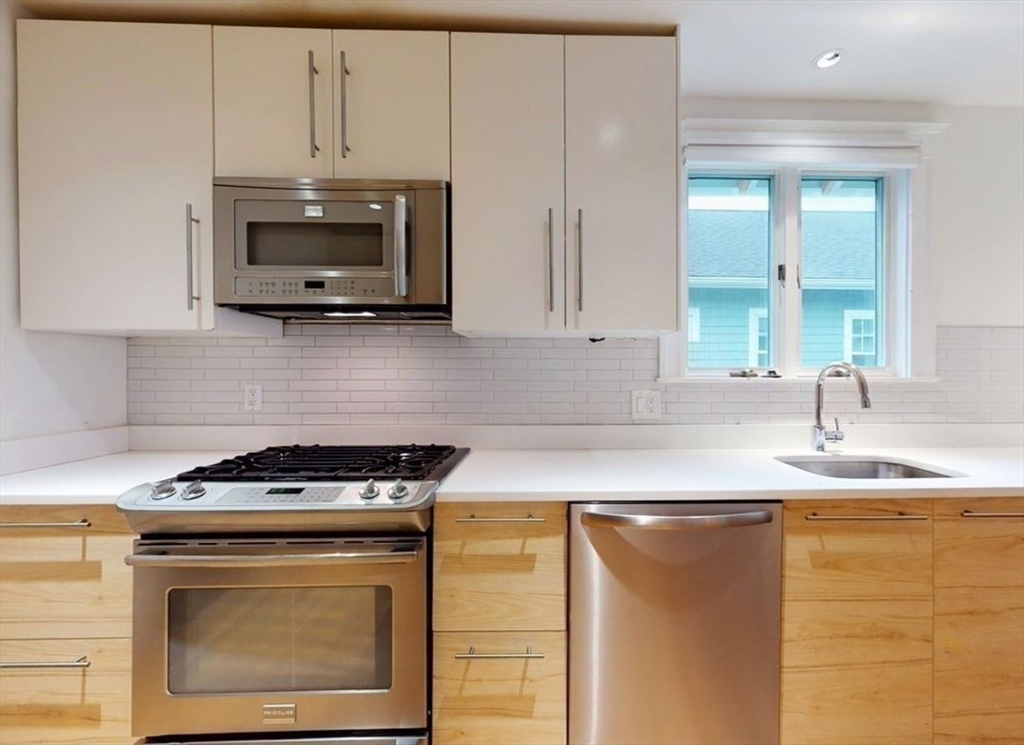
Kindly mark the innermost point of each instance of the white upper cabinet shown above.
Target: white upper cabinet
(621, 183)
(508, 212)
(391, 108)
(312, 103)
(273, 93)
(115, 154)
(583, 129)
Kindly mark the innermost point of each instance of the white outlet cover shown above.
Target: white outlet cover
(252, 397)
(646, 405)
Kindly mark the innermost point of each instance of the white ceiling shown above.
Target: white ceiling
(966, 52)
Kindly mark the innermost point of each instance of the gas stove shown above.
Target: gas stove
(297, 488)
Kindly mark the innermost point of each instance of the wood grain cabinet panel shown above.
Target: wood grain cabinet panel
(499, 566)
(979, 621)
(857, 623)
(66, 580)
(515, 696)
(73, 705)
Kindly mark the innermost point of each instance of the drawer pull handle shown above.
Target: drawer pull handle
(972, 513)
(82, 523)
(472, 654)
(475, 519)
(81, 662)
(897, 516)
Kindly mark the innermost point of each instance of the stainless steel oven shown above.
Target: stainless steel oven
(322, 249)
(283, 595)
(250, 635)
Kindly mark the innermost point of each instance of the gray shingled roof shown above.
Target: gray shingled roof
(727, 243)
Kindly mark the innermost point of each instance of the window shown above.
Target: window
(799, 249)
(859, 337)
(693, 324)
(757, 344)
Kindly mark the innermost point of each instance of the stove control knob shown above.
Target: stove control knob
(370, 491)
(193, 490)
(163, 490)
(398, 491)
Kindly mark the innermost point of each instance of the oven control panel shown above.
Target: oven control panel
(236, 496)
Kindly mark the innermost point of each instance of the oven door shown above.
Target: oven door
(250, 635)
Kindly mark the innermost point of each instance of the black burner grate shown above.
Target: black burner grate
(327, 463)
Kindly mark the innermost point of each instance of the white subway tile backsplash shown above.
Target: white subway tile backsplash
(330, 375)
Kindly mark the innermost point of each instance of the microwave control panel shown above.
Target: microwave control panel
(368, 287)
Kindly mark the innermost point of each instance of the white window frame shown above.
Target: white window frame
(849, 316)
(888, 150)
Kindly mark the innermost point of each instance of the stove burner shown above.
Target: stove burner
(327, 463)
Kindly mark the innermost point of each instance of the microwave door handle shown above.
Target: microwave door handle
(401, 279)
(280, 560)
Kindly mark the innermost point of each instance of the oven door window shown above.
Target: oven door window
(314, 236)
(239, 640)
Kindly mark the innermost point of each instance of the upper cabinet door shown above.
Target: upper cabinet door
(507, 183)
(391, 104)
(115, 133)
(273, 93)
(621, 164)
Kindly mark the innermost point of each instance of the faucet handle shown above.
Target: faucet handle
(835, 435)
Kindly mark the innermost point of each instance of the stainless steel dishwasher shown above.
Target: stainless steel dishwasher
(674, 623)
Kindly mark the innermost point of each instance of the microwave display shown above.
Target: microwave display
(317, 244)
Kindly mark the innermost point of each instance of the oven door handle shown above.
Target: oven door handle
(279, 560)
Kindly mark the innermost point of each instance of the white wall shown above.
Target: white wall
(49, 383)
(977, 223)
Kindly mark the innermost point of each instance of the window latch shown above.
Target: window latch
(782, 274)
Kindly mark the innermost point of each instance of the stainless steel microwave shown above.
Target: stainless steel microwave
(332, 249)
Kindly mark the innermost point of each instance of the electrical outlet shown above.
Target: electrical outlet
(252, 397)
(646, 404)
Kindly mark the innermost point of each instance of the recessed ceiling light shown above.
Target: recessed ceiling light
(828, 59)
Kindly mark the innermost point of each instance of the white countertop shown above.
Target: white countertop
(580, 475)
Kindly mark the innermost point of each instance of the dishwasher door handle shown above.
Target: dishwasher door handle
(676, 522)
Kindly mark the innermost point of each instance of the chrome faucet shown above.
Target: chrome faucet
(822, 435)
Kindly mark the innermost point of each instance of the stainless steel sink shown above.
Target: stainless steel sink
(856, 467)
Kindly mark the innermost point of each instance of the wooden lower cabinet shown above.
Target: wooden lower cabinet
(499, 624)
(499, 688)
(65, 625)
(73, 705)
(857, 623)
(979, 621)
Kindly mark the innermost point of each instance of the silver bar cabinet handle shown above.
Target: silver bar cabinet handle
(551, 260)
(401, 278)
(313, 72)
(475, 519)
(82, 523)
(579, 266)
(676, 522)
(344, 107)
(972, 513)
(81, 662)
(189, 222)
(898, 516)
(288, 560)
(472, 654)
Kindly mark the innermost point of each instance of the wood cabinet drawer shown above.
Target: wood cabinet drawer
(858, 549)
(979, 621)
(60, 578)
(514, 694)
(499, 567)
(53, 706)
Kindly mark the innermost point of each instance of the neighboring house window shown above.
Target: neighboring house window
(757, 331)
(693, 325)
(859, 337)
